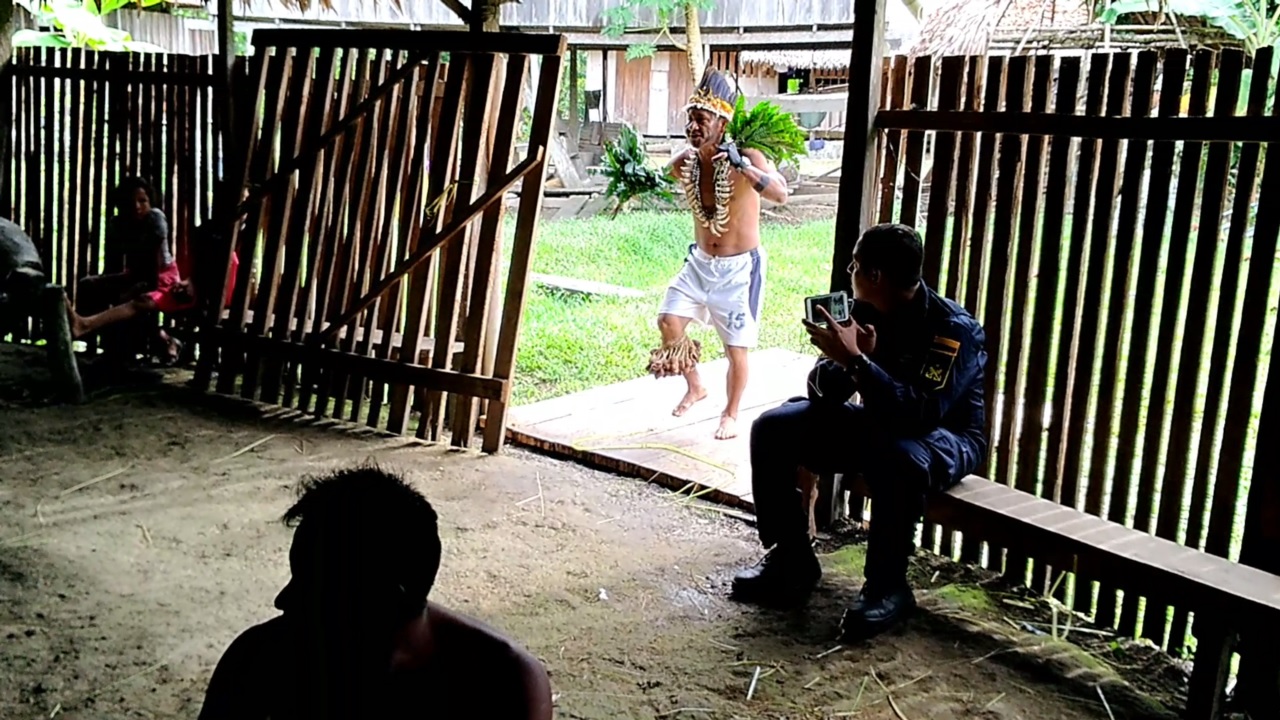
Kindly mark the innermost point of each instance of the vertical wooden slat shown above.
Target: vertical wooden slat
(976, 252)
(921, 77)
(394, 119)
(956, 266)
(1252, 317)
(412, 187)
(451, 297)
(892, 146)
(296, 280)
(1075, 391)
(1019, 444)
(1215, 173)
(333, 294)
(233, 363)
(486, 271)
(495, 428)
(354, 259)
(417, 126)
(324, 235)
(1172, 484)
(1091, 324)
(1174, 72)
(1110, 382)
(279, 245)
(996, 272)
(950, 85)
(443, 148)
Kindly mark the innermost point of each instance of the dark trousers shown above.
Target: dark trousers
(831, 438)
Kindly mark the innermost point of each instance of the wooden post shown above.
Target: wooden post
(61, 351)
(858, 170)
(575, 122)
(1258, 683)
(1207, 689)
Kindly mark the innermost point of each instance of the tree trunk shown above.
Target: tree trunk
(693, 36)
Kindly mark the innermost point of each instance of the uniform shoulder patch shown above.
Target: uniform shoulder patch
(936, 370)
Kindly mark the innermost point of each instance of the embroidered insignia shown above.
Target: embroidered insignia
(936, 369)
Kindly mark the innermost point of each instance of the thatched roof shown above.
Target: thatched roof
(783, 60)
(976, 27)
(966, 27)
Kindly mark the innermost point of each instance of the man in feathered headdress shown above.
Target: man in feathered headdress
(722, 281)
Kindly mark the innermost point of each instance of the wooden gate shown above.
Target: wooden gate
(370, 246)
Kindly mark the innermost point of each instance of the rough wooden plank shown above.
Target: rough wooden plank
(1192, 129)
(522, 253)
(484, 288)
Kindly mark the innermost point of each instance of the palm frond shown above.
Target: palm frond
(631, 178)
(769, 129)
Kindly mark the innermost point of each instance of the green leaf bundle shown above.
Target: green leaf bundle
(631, 178)
(767, 128)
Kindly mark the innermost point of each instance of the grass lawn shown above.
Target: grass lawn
(570, 343)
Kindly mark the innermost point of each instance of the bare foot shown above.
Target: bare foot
(689, 399)
(728, 428)
(74, 321)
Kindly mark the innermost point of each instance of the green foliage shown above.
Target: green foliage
(1255, 22)
(631, 177)
(622, 18)
(767, 128)
(79, 24)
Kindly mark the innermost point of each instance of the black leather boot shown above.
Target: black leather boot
(785, 576)
(876, 610)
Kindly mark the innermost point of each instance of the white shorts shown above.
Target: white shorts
(727, 292)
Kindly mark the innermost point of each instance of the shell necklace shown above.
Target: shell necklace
(718, 220)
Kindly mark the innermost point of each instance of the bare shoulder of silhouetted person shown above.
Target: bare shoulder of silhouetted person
(357, 637)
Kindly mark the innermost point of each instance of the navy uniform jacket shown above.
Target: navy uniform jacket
(925, 380)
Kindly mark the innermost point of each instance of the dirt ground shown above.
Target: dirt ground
(138, 536)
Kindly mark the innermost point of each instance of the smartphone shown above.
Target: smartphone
(836, 303)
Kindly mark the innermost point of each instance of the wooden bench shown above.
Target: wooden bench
(1228, 598)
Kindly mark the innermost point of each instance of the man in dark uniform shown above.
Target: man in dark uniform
(918, 361)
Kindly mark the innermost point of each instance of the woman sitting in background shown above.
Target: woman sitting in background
(150, 281)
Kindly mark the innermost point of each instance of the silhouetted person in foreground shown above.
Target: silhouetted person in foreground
(357, 637)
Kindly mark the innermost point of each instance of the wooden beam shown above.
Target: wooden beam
(435, 41)
(1190, 129)
(388, 371)
(447, 233)
(835, 38)
(858, 169)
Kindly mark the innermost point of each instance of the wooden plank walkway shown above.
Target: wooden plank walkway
(628, 427)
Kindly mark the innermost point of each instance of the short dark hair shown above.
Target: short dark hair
(123, 192)
(386, 524)
(895, 250)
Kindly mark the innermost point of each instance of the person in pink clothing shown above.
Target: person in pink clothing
(150, 281)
